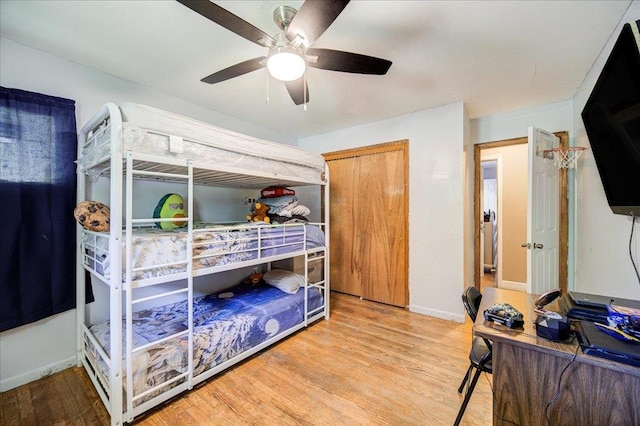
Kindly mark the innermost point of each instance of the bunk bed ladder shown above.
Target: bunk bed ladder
(130, 283)
(313, 257)
(327, 241)
(306, 286)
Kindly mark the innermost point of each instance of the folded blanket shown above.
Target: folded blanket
(277, 204)
(282, 219)
(297, 210)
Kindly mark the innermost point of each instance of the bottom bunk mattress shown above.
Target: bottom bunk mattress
(225, 325)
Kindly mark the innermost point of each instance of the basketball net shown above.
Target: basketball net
(566, 157)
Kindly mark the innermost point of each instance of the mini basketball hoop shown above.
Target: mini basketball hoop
(565, 157)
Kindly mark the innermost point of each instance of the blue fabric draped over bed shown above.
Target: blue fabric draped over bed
(225, 325)
(38, 143)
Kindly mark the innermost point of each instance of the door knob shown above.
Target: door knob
(525, 245)
(537, 246)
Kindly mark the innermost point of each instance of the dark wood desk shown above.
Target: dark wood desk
(527, 369)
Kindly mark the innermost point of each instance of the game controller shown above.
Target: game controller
(504, 313)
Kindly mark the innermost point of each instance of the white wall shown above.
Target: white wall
(554, 117)
(468, 238)
(436, 199)
(30, 69)
(49, 345)
(602, 238)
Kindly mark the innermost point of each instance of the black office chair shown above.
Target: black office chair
(480, 355)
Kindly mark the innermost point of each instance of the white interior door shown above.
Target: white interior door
(542, 214)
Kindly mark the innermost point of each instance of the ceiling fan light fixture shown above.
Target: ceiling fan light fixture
(286, 64)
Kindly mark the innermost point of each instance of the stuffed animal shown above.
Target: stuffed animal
(259, 213)
(170, 206)
(92, 215)
(254, 279)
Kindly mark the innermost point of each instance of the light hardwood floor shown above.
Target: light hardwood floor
(487, 280)
(369, 364)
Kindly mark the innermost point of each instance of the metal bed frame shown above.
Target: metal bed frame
(122, 168)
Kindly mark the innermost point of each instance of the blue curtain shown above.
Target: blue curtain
(38, 143)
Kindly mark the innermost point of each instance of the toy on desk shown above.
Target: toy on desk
(505, 314)
(617, 333)
(624, 320)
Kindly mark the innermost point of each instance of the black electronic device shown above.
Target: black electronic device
(597, 343)
(598, 301)
(586, 313)
(592, 300)
(547, 298)
(611, 119)
(553, 326)
(505, 314)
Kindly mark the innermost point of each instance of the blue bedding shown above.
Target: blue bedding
(225, 325)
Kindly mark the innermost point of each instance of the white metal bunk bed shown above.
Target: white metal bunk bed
(129, 142)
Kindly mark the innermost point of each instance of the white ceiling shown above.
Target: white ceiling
(496, 56)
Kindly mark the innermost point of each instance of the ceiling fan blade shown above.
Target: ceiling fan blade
(229, 21)
(336, 60)
(298, 91)
(313, 19)
(236, 70)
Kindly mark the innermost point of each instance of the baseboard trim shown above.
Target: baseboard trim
(30, 376)
(450, 316)
(513, 285)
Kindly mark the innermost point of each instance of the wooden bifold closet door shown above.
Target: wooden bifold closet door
(369, 222)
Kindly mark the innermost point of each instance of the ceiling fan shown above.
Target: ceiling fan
(290, 50)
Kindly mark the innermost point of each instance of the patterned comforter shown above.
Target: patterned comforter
(225, 325)
(213, 245)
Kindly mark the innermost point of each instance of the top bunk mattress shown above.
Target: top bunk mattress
(165, 134)
(156, 252)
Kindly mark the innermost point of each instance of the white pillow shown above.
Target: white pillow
(287, 281)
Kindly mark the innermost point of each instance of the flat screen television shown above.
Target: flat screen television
(611, 118)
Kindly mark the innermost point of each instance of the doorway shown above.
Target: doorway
(491, 169)
(479, 151)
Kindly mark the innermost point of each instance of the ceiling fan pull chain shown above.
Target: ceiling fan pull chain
(267, 74)
(304, 108)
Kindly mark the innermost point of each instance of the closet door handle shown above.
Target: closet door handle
(537, 246)
(525, 245)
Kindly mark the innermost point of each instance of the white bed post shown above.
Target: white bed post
(327, 286)
(115, 280)
(190, 273)
(128, 287)
(81, 188)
